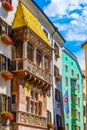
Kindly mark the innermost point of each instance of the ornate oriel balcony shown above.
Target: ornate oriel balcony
(30, 119)
(25, 64)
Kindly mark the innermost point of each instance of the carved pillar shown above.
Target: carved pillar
(34, 55)
(25, 49)
(42, 61)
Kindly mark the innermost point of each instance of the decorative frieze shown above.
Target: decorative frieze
(31, 119)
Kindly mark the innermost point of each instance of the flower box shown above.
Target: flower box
(7, 6)
(50, 125)
(57, 55)
(6, 39)
(57, 78)
(6, 74)
(6, 117)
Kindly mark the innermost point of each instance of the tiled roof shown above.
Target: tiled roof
(24, 17)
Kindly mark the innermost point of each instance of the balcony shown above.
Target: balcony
(26, 65)
(25, 118)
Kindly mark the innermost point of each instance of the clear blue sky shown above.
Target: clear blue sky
(70, 16)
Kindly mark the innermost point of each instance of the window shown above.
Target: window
(78, 76)
(2, 62)
(66, 81)
(78, 88)
(58, 120)
(57, 95)
(78, 116)
(67, 126)
(48, 116)
(74, 127)
(3, 27)
(13, 99)
(74, 114)
(38, 58)
(66, 68)
(47, 65)
(56, 48)
(73, 83)
(71, 63)
(19, 49)
(84, 110)
(66, 58)
(29, 52)
(56, 71)
(79, 102)
(80, 129)
(46, 33)
(27, 103)
(5, 103)
(40, 108)
(72, 72)
(74, 99)
(33, 105)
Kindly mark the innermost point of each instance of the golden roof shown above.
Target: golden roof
(25, 17)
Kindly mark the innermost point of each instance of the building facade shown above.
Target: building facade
(33, 92)
(72, 84)
(84, 46)
(6, 43)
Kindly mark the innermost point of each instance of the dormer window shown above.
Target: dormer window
(56, 48)
(46, 33)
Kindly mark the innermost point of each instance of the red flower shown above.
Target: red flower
(6, 74)
(6, 39)
(7, 5)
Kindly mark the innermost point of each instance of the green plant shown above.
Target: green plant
(6, 74)
(7, 116)
(6, 39)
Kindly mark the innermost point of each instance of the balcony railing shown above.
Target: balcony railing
(31, 119)
(27, 65)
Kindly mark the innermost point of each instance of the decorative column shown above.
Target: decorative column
(34, 55)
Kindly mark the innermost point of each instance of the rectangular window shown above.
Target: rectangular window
(78, 76)
(73, 83)
(46, 33)
(58, 120)
(27, 103)
(13, 99)
(66, 68)
(6, 105)
(74, 114)
(3, 27)
(48, 116)
(57, 95)
(56, 48)
(78, 88)
(56, 71)
(74, 99)
(66, 81)
(72, 72)
(2, 62)
(67, 126)
(38, 58)
(78, 116)
(78, 102)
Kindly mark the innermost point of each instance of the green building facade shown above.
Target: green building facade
(72, 82)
